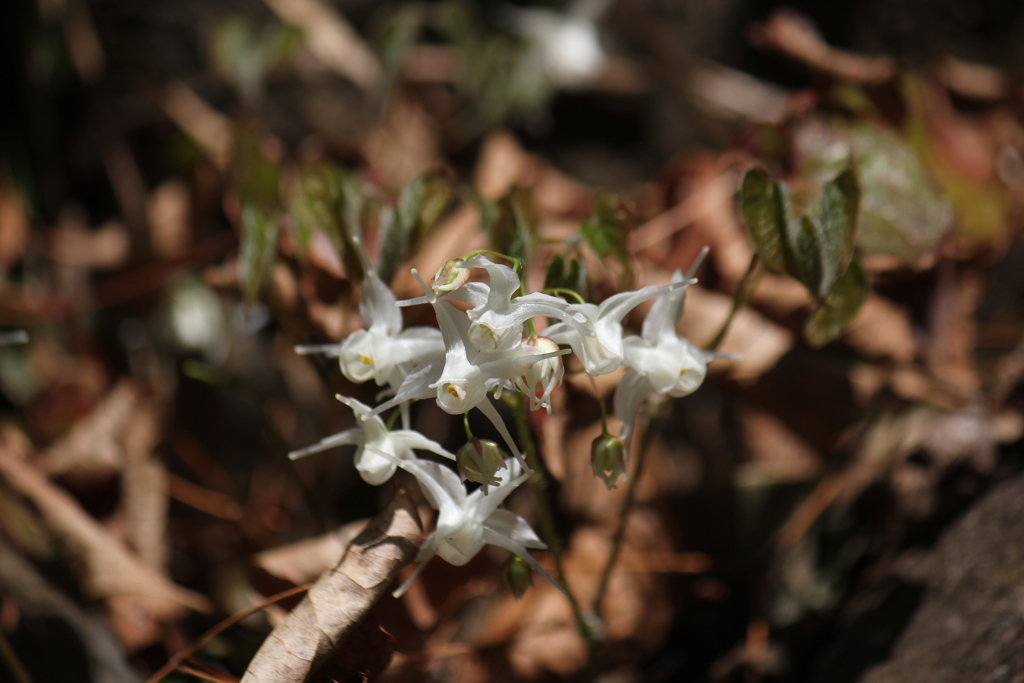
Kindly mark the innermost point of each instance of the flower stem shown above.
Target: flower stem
(517, 264)
(465, 424)
(743, 291)
(538, 484)
(600, 402)
(627, 506)
(559, 291)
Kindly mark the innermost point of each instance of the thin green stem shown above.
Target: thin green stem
(743, 291)
(600, 402)
(10, 658)
(517, 264)
(465, 425)
(568, 292)
(627, 507)
(538, 484)
(393, 417)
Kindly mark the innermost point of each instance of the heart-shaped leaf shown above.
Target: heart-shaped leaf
(849, 294)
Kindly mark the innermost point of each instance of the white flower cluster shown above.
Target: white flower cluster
(484, 349)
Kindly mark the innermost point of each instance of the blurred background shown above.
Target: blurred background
(179, 185)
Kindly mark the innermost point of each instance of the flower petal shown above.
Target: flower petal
(349, 437)
(425, 555)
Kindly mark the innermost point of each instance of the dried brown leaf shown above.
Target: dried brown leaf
(796, 37)
(340, 600)
(168, 212)
(93, 449)
(14, 225)
(145, 486)
(106, 247)
(108, 569)
(210, 129)
(331, 39)
(304, 561)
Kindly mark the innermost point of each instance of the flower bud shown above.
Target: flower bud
(607, 456)
(478, 461)
(518, 576)
(540, 379)
(449, 277)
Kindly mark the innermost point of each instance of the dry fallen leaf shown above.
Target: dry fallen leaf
(92, 449)
(340, 600)
(108, 569)
(305, 560)
(145, 486)
(330, 37)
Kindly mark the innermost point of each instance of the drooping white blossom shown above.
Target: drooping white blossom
(468, 522)
(383, 351)
(378, 450)
(660, 361)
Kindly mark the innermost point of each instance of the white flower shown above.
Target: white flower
(603, 352)
(378, 450)
(496, 312)
(468, 522)
(671, 364)
(383, 351)
(568, 43)
(498, 321)
(659, 360)
(468, 373)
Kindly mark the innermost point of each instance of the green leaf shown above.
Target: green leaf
(420, 205)
(256, 176)
(394, 33)
(489, 211)
(803, 258)
(514, 224)
(842, 305)
(763, 205)
(328, 198)
(836, 229)
(813, 242)
(565, 273)
(258, 250)
(606, 230)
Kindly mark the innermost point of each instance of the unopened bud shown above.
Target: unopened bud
(478, 461)
(607, 456)
(540, 379)
(449, 277)
(518, 576)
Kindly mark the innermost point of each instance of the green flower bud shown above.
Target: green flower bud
(607, 456)
(449, 277)
(478, 461)
(518, 576)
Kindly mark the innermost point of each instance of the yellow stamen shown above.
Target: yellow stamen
(453, 391)
(366, 360)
